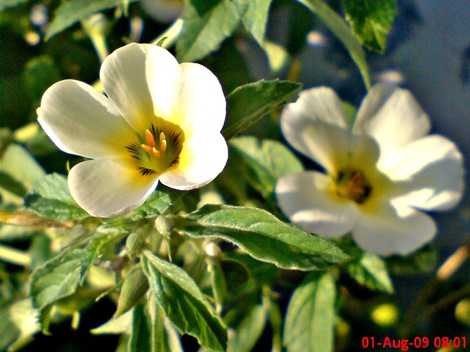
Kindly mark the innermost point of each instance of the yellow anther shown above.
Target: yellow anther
(162, 142)
(156, 152)
(146, 148)
(150, 139)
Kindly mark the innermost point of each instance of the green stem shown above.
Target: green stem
(14, 256)
(170, 36)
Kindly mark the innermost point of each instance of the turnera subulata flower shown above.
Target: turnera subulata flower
(380, 173)
(159, 121)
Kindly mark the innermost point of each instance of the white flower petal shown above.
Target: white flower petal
(199, 103)
(133, 75)
(392, 116)
(387, 230)
(432, 168)
(82, 121)
(309, 203)
(105, 188)
(316, 125)
(203, 157)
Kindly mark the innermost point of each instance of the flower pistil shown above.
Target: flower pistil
(353, 184)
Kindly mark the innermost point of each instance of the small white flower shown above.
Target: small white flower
(378, 172)
(163, 10)
(160, 122)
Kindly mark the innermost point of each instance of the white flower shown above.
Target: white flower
(378, 172)
(160, 122)
(163, 10)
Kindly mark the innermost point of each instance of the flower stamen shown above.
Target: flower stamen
(354, 185)
(154, 156)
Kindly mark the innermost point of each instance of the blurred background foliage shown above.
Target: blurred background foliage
(45, 41)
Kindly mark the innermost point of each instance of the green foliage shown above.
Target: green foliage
(18, 322)
(208, 23)
(262, 235)
(254, 15)
(4, 4)
(39, 74)
(310, 318)
(266, 161)
(371, 21)
(371, 271)
(70, 12)
(183, 303)
(249, 103)
(61, 276)
(341, 30)
(51, 198)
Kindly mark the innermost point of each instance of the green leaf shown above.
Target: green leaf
(57, 278)
(310, 315)
(164, 337)
(73, 11)
(61, 276)
(18, 323)
(160, 200)
(183, 303)
(249, 330)
(371, 21)
(266, 161)
(371, 271)
(424, 261)
(249, 103)
(21, 166)
(4, 4)
(40, 73)
(141, 331)
(206, 25)
(262, 236)
(52, 199)
(342, 31)
(12, 185)
(254, 15)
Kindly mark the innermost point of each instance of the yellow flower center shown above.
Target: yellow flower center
(353, 184)
(158, 149)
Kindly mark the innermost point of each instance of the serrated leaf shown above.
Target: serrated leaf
(52, 199)
(262, 236)
(57, 278)
(249, 103)
(73, 11)
(266, 161)
(310, 315)
(370, 271)
(206, 25)
(371, 21)
(183, 303)
(160, 200)
(254, 16)
(61, 276)
(342, 31)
